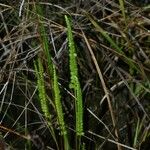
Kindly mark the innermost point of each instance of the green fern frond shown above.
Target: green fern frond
(74, 83)
(72, 54)
(58, 104)
(59, 109)
(41, 88)
(79, 104)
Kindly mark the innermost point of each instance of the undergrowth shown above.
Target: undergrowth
(75, 75)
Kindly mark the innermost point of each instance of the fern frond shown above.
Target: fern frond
(59, 109)
(74, 83)
(72, 54)
(58, 104)
(41, 88)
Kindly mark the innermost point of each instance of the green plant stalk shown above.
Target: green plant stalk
(74, 83)
(44, 40)
(59, 110)
(136, 133)
(41, 88)
(121, 2)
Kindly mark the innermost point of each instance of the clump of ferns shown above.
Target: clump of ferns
(74, 83)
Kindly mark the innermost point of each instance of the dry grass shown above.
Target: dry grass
(112, 41)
